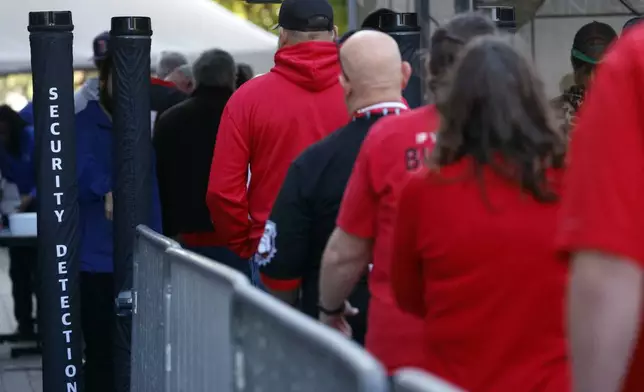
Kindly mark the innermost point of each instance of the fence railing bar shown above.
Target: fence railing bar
(167, 327)
(341, 348)
(415, 380)
(155, 238)
(206, 265)
(183, 290)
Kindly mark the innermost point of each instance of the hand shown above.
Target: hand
(339, 321)
(109, 206)
(25, 201)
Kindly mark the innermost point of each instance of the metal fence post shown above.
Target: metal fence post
(424, 14)
(151, 319)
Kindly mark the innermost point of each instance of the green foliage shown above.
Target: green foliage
(265, 15)
(341, 14)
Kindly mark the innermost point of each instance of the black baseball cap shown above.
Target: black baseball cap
(372, 21)
(632, 22)
(101, 46)
(591, 41)
(298, 15)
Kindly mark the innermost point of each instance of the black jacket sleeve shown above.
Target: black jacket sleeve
(163, 97)
(283, 251)
(166, 172)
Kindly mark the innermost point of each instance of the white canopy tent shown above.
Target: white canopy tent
(547, 26)
(186, 26)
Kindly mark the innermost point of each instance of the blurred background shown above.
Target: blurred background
(244, 30)
(248, 45)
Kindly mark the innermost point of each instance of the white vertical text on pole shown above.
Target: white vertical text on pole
(61, 249)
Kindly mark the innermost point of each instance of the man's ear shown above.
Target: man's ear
(281, 41)
(336, 34)
(346, 86)
(406, 73)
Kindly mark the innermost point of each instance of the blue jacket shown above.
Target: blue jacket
(95, 172)
(27, 113)
(86, 93)
(21, 169)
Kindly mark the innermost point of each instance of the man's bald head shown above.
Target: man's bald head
(371, 60)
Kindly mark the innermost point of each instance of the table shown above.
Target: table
(9, 240)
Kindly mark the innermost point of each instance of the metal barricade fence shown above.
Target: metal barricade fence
(413, 380)
(199, 326)
(201, 318)
(150, 324)
(280, 349)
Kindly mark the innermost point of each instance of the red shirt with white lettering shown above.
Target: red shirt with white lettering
(476, 258)
(394, 148)
(603, 204)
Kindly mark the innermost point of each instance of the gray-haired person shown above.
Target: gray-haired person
(184, 141)
(182, 78)
(168, 62)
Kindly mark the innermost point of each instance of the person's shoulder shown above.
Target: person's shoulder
(422, 120)
(627, 54)
(256, 86)
(257, 91)
(90, 108)
(164, 97)
(177, 111)
(416, 127)
(28, 108)
(90, 115)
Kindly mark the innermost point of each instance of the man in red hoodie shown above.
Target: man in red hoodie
(267, 123)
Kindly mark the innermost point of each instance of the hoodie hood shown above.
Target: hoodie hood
(311, 65)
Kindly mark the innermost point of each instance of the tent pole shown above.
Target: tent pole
(463, 6)
(352, 8)
(423, 10)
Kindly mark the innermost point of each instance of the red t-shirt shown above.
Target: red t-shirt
(603, 204)
(480, 265)
(394, 147)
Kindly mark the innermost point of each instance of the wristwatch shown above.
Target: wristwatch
(333, 312)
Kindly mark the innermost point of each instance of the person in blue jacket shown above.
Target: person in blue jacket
(17, 166)
(95, 139)
(27, 113)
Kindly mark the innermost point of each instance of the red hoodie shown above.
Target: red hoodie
(267, 123)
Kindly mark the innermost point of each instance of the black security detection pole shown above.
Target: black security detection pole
(57, 199)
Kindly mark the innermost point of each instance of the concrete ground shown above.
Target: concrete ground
(23, 374)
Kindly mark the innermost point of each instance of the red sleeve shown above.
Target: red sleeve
(226, 196)
(406, 270)
(603, 202)
(161, 82)
(359, 207)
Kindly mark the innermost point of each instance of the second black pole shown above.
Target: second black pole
(130, 42)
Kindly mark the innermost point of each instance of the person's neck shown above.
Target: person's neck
(362, 101)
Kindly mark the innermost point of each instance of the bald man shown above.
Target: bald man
(303, 217)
